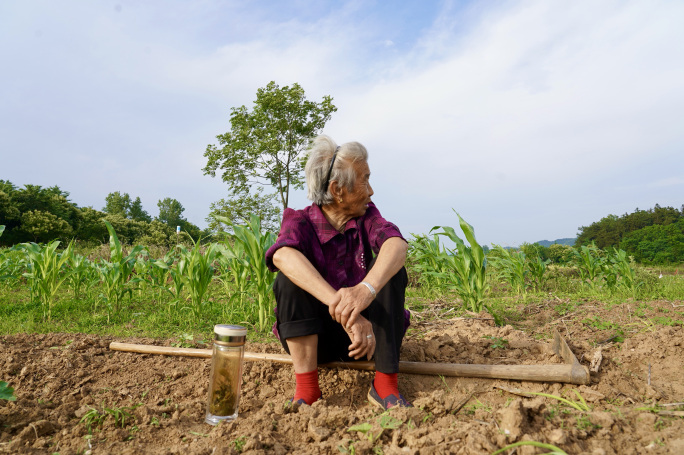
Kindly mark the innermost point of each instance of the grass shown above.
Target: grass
(141, 313)
(138, 316)
(95, 418)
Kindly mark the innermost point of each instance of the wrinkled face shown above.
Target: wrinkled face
(355, 202)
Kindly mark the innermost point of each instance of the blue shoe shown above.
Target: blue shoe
(389, 402)
(301, 401)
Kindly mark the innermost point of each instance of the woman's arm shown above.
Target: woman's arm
(301, 272)
(390, 260)
(354, 300)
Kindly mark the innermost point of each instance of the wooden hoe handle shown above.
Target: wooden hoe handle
(572, 373)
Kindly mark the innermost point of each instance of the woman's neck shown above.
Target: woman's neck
(337, 219)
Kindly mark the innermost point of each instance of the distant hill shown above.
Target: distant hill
(547, 243)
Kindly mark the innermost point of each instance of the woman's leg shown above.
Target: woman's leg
(388, 317)
(299, 316)
(303, 351)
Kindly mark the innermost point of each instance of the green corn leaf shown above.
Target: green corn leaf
(115, 253)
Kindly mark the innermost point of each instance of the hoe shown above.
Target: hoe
(570, 372)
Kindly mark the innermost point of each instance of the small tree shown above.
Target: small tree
(170, 212)
(236, 210)
(265, 146)
(118, 204)
(137, 212)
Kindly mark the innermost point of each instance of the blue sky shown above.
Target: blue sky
(529, 118)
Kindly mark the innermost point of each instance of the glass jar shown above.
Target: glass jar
(225, 380)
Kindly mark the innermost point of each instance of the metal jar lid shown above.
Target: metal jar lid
(232, 334)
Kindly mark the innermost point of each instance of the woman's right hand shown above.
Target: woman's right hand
(363, 339)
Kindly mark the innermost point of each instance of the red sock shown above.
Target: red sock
(307, 387)
(386, 384)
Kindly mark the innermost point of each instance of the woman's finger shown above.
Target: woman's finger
(371, 350)
(344, 317)
(359, 348)
(340, 311)
(353, 316)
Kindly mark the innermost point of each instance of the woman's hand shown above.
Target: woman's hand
(363, 339)
(348, 304)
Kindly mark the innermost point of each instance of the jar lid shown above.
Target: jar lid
(230, 330)
(230, 333)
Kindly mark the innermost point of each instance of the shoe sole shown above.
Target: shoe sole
(375, 402)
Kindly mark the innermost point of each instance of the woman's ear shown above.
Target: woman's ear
(336, 190)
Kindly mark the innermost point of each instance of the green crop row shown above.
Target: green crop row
(180, 281)
(231, 275)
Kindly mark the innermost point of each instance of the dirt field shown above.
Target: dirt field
(60, 378)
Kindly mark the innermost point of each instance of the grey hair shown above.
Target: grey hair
(318, 163)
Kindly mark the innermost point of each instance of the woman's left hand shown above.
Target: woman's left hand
(363, 339)
(349, 303)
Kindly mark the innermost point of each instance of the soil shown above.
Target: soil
(140, 403)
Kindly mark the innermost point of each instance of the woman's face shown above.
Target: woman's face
(355, 202)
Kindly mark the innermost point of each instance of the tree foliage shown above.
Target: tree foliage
(37, 214)
(265, 145)
(652, 236)
(610, 230)
(171, 214)
(44, 226)
(118, 203)
(238, 208)
(137, 213)
(656, 244)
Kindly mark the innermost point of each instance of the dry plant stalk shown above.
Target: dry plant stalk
(596, 361)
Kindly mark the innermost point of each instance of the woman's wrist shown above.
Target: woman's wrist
(370, 287)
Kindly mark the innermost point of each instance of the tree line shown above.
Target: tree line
(653, 236)
(37, 214)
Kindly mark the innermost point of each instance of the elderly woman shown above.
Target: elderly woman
(335, 300)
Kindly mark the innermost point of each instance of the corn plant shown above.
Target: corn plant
(154, 273)
(537, 268)
(629, 278)
(249, 244)
(141, 268)
(590, 263)
(510, 266)
(234, 272)
(199, 273)
(115, 275)
(467, 265)
(47, 271)
(427, 257)
(618, 272)
(13, 263)
(177, 273)
(83, 274)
